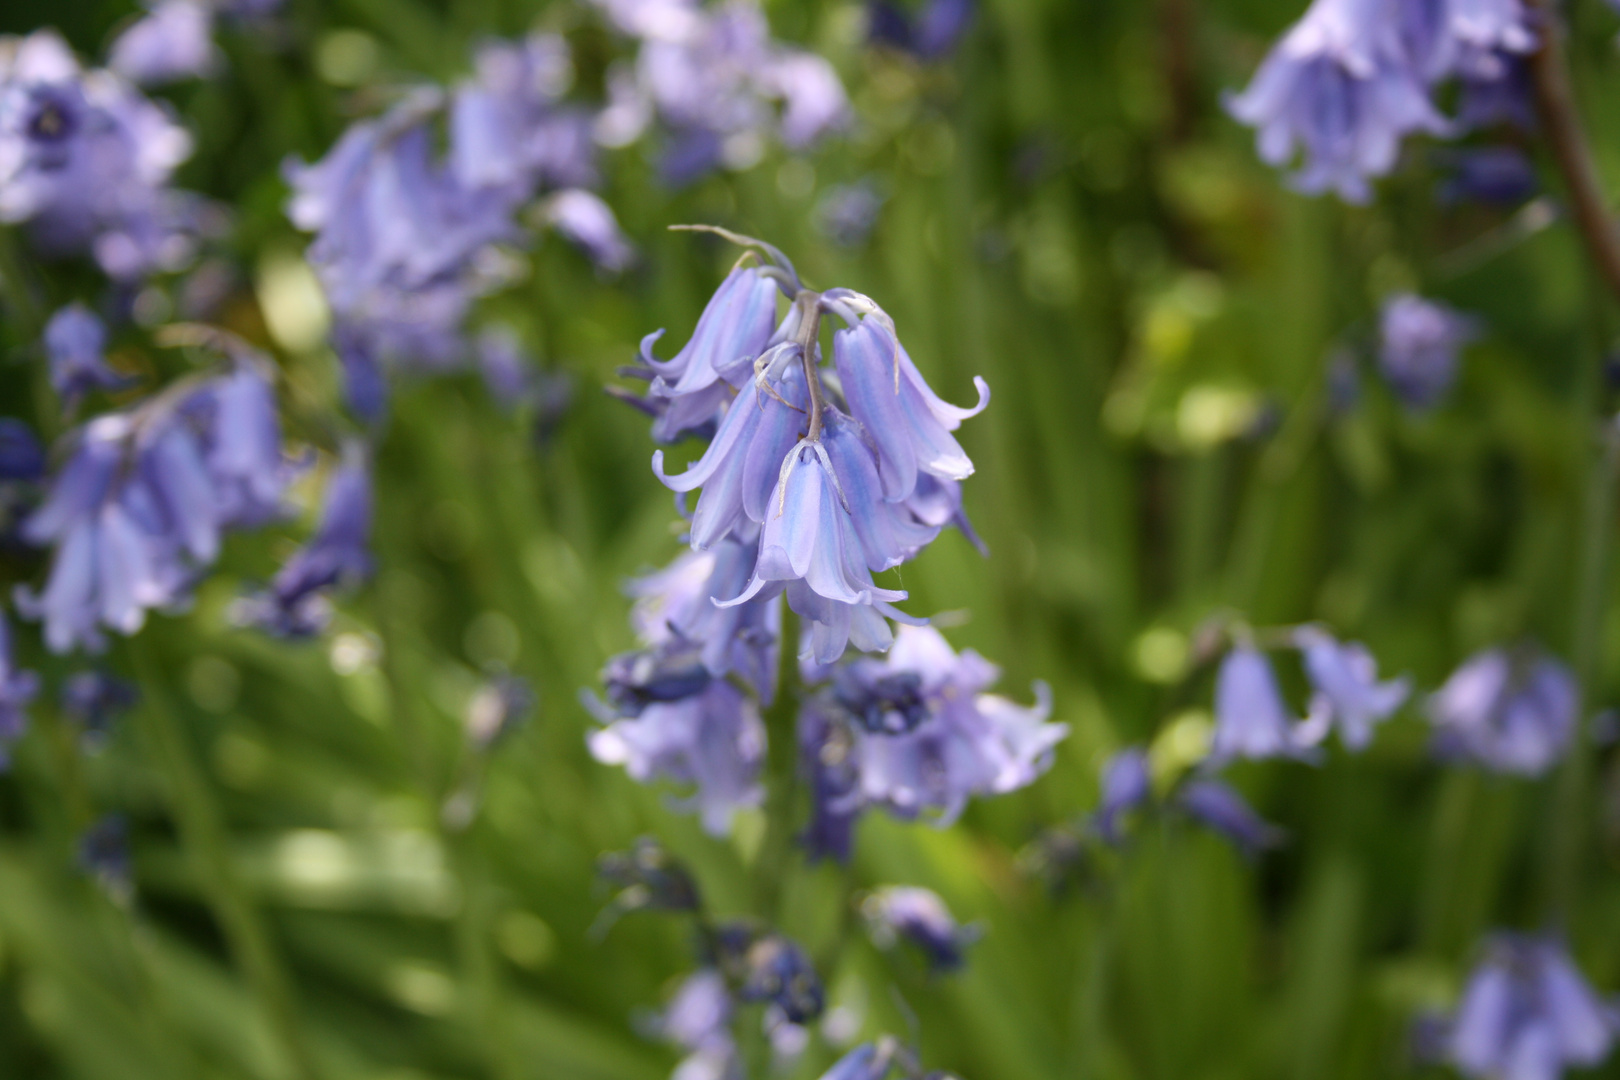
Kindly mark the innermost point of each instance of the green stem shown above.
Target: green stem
(781, 774)
(1570, 811)
(204, 840)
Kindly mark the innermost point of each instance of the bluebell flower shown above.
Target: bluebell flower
(1251, 718)
(506, 366)
(365, 387)
(1215, 805)
(865, 1062)
(907, 421)
(919, 916)
(668, 673)
(173, 41)
(713, 741)
(85, 161)
(1527, 1014)
(777, 970)
(243, 453)
(1126, 785)
(847, 213)
(938, 503)
(104, 856)
(1500, 175)
(17, 689)
(297, 604)
(648, 878)
(1419, 344)
(1342, 90)
(75, 349)
(587, 222)
(22, 458)
(827, 747)
(736, 326)
(1510, 714)
(1347, 694)
(698, 1020)
(510, 130)
(975, 743)
(1496, 91)
(933, 33)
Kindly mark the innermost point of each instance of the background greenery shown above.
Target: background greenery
(1070, 215)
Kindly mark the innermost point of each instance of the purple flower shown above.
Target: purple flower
(104, 856)
(907, 421)
(1348, 694)
(698, 1020)
(296, 603)
(975, 743)
(919, 916)
(75, 347)
(1218, 807)
(243, 451)
(847, 213)
(85, 160)
(935, 32)
(1489, 174)
(584, 220)
(17, 689)
(1126, 785)
(365, 388)
(1527, 1013)
(1510, 714)
(173, 42)
(1496, 91)
(22, 458)
(713, 741)
(776, 970)
(1342, 89)
(865, 1062)
(1419, 344)
(1251, 719)
(94, 699)
(509, 129)
(826, 747)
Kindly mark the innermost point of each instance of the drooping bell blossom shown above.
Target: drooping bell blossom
(713, 741)
(510, 130)
(975, 743)
(1341, 90)
(1496, 90)
(735, 327)
(95, 699)
(777, 970)
(297, 603)
(22, 458)
(698, 1020)
(932, 34)
(365, 387)
(85, 161)
(919, 916)
(1471, 38)
(17, 689)
(243, 453)
(1218, 807)
(1528, 1014)
(670, 672)
(1507, 713)
(826, 748)
(1419, 345)
(75, 350)
(1347, 695)
(907, 421)
(1499, 175)
(506, 366)
(1126, 785)
(880, 701)
(813, 98)
(586, 221)
(1251, 718)
(173, 41)
(865, 1062)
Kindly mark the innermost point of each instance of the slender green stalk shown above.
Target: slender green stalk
(203, 837)
(781, 774)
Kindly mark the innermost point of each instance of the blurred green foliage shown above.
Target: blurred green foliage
(1069, 214)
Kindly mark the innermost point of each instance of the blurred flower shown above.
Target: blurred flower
(94, 699)
(584, 220)
(1126, 785)
(1217, 806)
(365, 388)
(919, 916)
(826, 747)
(1510, 714)
(712, 740)
(75, 347)
(1347, 691)
(847, 213)
(865, 1062)
(1419, 346)
(1527, 1013)
(669, 672)
(1343, 89)
(1467, 37)
(497, 708)
(173, 41)
(648, 877)
(1497, 91)
(880, 701)
(1251, 719)
(296, 603)
(713, 78)
(509, 128)
(104, 856)
(973, 743)
(698, 1020)
(22, 458)
(776, 970)
(933, 34)
(1500, 175)
(17, 689)
(85, 160)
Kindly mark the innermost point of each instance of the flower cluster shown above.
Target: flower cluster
(717, 84)
(406, 239)
(1419, 343)
(85, 162)
(1507, 712)
(1353, 78)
